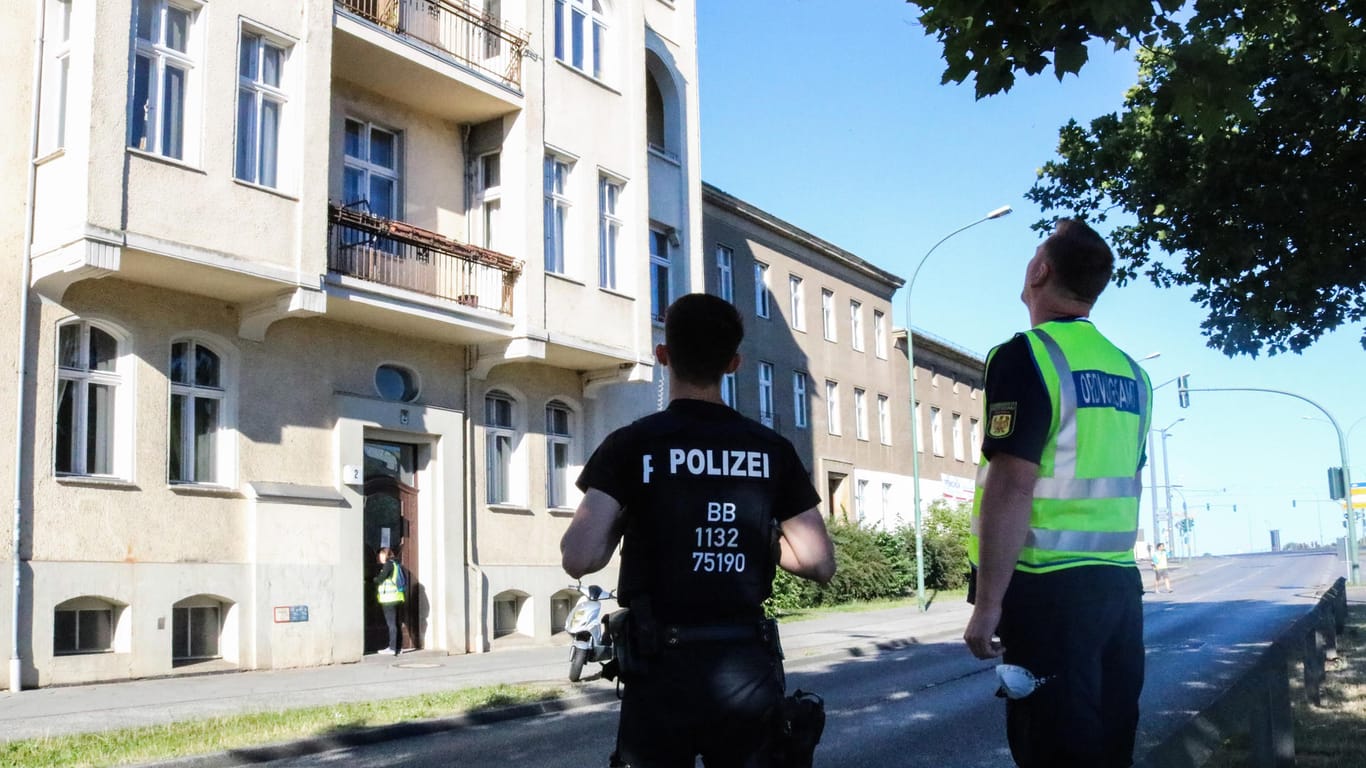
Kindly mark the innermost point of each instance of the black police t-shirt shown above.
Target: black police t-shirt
(1019, 410)
(702, 487)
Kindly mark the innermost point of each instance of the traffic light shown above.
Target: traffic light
(1337, 486)
(1207, 506)
(1183, 390)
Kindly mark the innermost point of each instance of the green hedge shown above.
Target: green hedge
(873, 565)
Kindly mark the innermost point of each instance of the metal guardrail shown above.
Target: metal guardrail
(477, 41)
(1258, 704)
(398, 254)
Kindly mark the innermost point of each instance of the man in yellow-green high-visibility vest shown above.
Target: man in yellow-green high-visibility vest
(1055, 588)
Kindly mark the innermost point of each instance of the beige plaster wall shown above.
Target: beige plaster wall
(174, 200)
(284, 421)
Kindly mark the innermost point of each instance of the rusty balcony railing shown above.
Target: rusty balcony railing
(473, 39)
(400, 255)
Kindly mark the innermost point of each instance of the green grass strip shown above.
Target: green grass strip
(198, 737)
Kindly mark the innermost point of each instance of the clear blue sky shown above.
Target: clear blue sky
(829, 114)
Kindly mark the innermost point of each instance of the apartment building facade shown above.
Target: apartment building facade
(298, 280)
(950, 404)
(818, 362)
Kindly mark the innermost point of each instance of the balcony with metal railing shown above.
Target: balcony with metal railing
(396, 254)
(442, 56)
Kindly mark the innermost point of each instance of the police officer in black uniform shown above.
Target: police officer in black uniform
(708, 503)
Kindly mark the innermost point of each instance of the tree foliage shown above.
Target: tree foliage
(1236, 163)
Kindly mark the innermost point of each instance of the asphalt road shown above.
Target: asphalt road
(932, 704)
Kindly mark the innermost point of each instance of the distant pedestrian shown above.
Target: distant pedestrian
(1056, 517)
(1160, 573)
(389, 592)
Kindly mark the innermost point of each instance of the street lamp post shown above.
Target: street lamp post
(915, 438)
(1152, 463)
(1166, 479)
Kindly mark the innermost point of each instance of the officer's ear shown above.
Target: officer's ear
(734, 364)
(662, 354)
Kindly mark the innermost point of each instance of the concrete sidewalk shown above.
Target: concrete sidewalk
(108, 706)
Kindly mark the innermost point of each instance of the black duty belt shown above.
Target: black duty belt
(686, 634)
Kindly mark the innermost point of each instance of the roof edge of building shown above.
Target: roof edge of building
(717, 196)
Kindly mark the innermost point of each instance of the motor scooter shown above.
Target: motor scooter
(587, 625)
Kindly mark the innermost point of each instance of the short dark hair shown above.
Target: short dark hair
(1081, 258)
(702, 333)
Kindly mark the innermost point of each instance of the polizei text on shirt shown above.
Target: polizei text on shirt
(711, 462)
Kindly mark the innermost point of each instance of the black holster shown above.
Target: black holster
(798, 724)
(635, 641)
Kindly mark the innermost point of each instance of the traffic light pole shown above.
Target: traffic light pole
(1353, 554)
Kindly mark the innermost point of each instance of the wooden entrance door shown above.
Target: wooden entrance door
(390, 519)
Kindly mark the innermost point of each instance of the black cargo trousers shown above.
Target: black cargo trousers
(1087, 649)
(716, 699)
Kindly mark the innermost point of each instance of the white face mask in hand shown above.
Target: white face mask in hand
(1016, 681)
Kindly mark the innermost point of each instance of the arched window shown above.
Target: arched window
(196, 628)
(512, 614)
(90, 385)
(558, 440)
(654, 114)
(581, 36)
(84, 625)
(500, 438)
(198, 413)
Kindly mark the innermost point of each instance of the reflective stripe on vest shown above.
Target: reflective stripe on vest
(388, 589)
(1061, 499)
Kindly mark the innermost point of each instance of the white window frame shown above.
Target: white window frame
(975, 440)
(488, 197)
(766, 393)
(957, 436)
(860, 500)
(555, 172)
(160, 58)
(221, 442)
(729, 389)
(609, 230)
(880, 334)
(828, 314)
(937, 430)
(55, 88)
(366, 167)
(762, 304)
(499, 480)
(800, 401)
(118, 443)
(832, 407)
(261, 92)
(884, 419)
(796, 302)
(861, 413)
(856, 324)
(661, 273)
(557, 478)
(587, 47)
(725, 273)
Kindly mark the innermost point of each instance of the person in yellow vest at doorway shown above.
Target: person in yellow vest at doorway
(391, 587)
(1055, 587)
